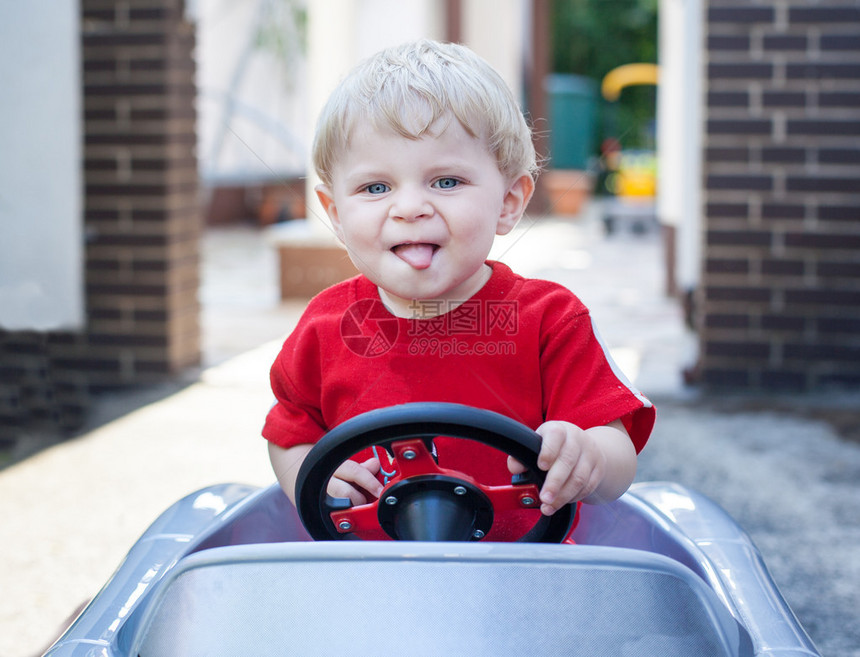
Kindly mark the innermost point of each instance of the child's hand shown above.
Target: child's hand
(596, 465)
(355, 481)
(573, 462)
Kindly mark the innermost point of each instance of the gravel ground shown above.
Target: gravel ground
(791, 481)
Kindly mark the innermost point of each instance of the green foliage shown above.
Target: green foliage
(592, 37)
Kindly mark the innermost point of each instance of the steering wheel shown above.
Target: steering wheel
(424, 501)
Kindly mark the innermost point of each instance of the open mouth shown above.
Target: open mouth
(416, 254)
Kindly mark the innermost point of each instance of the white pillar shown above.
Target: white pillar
(41, 235)
(680, 104)
(670, 110)
(496, 30)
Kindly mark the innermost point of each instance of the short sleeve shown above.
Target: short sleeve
(581, 382)
(296, 418)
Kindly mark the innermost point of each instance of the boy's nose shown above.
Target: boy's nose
(409, 205)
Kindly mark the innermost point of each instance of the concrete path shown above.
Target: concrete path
(69, 514)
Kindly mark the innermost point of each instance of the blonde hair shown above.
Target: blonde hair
(409, 88)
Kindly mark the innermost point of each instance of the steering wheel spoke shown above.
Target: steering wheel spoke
(358, 521)
(513, 497)
(412, 458)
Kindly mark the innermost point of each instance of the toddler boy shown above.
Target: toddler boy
(424, 157)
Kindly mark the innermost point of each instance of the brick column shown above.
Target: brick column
(142, 223)
(142, 216)
(780, 297)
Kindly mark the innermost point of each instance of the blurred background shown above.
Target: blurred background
(700, 191)
(133, 128)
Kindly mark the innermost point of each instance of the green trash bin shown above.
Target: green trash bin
(572, 114)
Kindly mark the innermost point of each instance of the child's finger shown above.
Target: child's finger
(552, 441)
(359, 474)
(581, 481)
(372, 465)
(564, 475)
(515, 467)
(339, 488)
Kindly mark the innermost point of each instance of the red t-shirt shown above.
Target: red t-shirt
(524, 348)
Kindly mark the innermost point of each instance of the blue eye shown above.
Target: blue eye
(446, 183)
(376, 188)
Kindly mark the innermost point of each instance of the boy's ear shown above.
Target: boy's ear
(514, 204)
(326, 197)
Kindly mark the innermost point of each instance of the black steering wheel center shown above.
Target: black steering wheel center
(435, 508)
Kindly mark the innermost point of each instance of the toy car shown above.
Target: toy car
(235, 570)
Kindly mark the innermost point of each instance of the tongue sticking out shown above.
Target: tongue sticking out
(418, 256)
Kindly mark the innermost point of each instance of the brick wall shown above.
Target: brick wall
(142, 224)
(141, 207)
(39, 394)
(780, 297)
